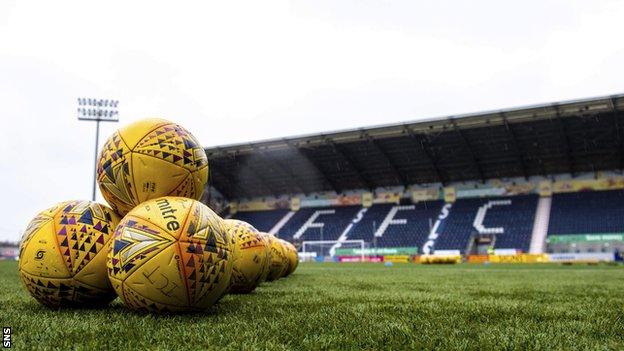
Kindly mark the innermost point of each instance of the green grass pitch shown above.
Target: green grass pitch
(356, 306)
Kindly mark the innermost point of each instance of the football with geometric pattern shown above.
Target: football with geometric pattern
(62, 259)
(267, 268)
(279, 261)
(148, 159)
(292, 255)
(251, 257)
(171, 254)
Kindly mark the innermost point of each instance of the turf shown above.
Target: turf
(356, 306)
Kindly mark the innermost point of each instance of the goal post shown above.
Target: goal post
(315, 249)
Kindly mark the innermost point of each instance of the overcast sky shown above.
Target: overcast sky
(241, 71)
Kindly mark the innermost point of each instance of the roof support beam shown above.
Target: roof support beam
(294, 180)
(618, 133)
(351, 162)
(231, 189)
(565, 138)
(514, 142)
(263, 180)
(316, 166)
(475, 162)
(384, 154)
(535, 140)
(424, 144)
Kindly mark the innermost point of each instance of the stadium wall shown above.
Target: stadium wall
(469, 214)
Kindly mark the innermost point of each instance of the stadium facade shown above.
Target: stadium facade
(544, 178)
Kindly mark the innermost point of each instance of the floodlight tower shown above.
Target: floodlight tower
(98, 110)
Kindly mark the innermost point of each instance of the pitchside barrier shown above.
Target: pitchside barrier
(520, 258)
(382, 251)
(544, 258)
(596, 257)
(382, 254)
(360, 259)
(328, 250)
(440, 259)
(478, 258)
(397, 258)
(385, 258)
(359, 253)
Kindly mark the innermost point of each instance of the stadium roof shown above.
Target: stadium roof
(565, 137)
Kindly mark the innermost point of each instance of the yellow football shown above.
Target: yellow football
(171, 254)
(292, 255)
(251, 256)
(62, 258)
(279, 261)
(149, 159)
(267, 268)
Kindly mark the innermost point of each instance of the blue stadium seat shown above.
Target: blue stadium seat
(516, 219)
(334, 223)
(365, 228)
(262, 220)
(587, 212)
(413, 233)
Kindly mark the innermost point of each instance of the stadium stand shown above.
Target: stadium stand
(306, 223)
(365, 228)
(409, 225)
(587, 212)
(509, 218)
(418, 222)
(262, 220)
(531, 144)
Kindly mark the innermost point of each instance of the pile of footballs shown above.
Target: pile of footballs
(156, 247)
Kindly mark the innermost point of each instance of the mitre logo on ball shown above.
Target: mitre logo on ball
(167, 212)
(171, 254)
(148, 159)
